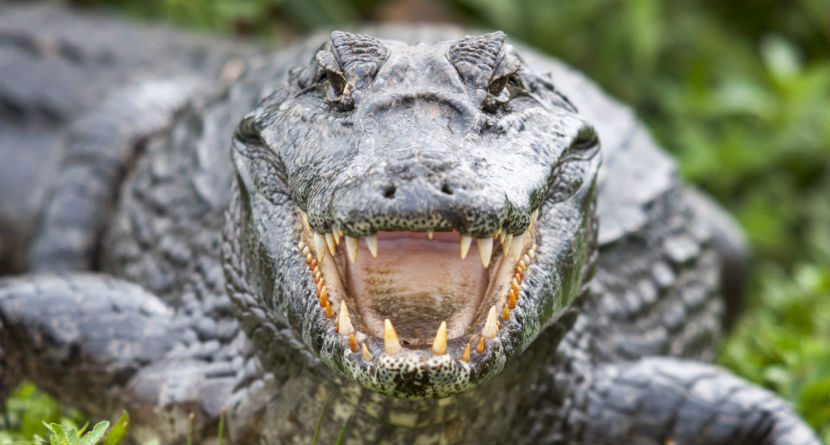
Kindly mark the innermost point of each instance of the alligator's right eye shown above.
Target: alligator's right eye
(337, 83)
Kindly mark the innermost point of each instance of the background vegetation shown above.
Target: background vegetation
(737, 90)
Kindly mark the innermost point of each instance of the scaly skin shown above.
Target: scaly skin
(205, 300)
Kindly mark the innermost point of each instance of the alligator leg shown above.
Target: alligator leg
(730, 244)
(52, 333)
(99, 147)
(664, 400)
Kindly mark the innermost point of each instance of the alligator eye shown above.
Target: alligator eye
(497, 85)
(501, 90)
(337, 82)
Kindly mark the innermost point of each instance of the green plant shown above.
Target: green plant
(69, 435)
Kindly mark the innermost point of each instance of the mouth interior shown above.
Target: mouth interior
(419, 288)
(417, 283)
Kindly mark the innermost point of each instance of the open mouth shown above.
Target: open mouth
(397, 293)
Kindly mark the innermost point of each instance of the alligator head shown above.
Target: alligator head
(364, 182)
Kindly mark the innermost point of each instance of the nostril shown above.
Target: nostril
(389, 191)
(446, 189)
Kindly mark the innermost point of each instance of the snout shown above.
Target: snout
(413, 195)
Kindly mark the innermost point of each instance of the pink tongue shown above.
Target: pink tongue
(417, 283)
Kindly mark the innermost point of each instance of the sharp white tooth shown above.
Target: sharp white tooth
(330, 243)
(304, 215)
(343, 321)
(336, 233)
(390, 338)
(439, 345)
(372, 244)
(366, 355)
(430, 234)
(485, 250)
(319, 246)
(351, 248)
(534, 216)
(491, 329)
(506, 240)
(516, 246)
(466, 240)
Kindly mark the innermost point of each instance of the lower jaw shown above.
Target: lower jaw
(369, 349)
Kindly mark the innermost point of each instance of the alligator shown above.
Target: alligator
(196, 229)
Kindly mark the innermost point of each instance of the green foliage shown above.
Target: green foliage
(119, 430)
(737, 90)
(35, 418)
(28, 410)
(69, 435)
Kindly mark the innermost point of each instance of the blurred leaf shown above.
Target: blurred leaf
(119, 429)
(780, 58)
(97, 433)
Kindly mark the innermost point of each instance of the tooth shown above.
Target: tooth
(490, 328)
(531, 253)
(390, 338)
(337, 234)
(534, 216)
(366, 355)
(511, 299)
(516, 246)
(430, 234)
(330, 243)
(306, 250)
(465, 356)
(301, 245)
(329, 312)
(505, 313)
(372, 244)
(324, 297)
(466, 240)
(352, 343)
(485, 250)
(506, 241)
(305, 220)
(480, 347)
(320, 245)
(343, 321)
(351, 248)
(439, 345)
(497, 233)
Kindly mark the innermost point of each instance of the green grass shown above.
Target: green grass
(737, 90)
